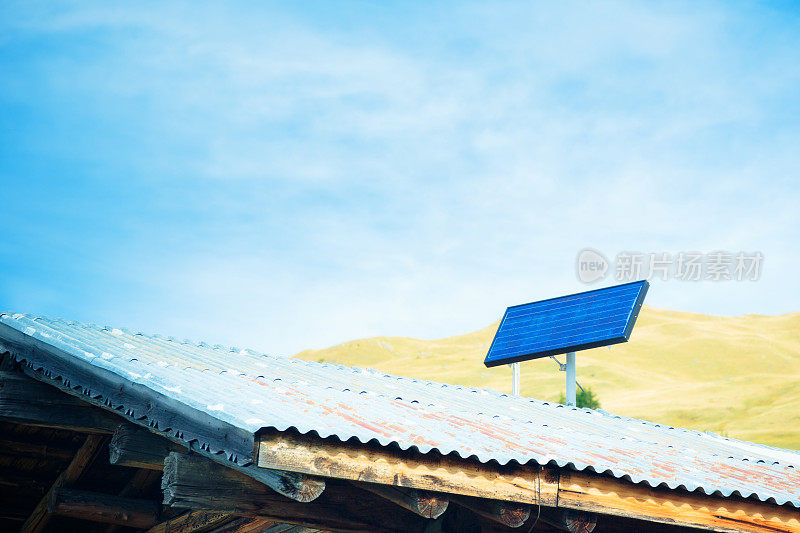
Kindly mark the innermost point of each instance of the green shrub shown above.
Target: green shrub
(584, 398)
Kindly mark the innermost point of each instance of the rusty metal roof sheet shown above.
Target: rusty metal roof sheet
(218, 398)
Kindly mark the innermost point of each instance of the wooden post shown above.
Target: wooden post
(39, 517)
(95, 507)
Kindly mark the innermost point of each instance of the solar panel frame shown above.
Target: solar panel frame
(628, 304)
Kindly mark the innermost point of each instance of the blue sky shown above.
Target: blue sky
(283, 176)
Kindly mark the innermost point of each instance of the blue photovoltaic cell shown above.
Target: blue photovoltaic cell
(567, 323)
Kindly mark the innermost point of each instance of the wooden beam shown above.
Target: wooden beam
(192, 482)
(289, 528)
(39, 517)
(298, 487)
(12, 512)
(28, 448)
(509, 514)
(26, 401)
(248, 525)
(23, 483)
(136, 447)
(606, 495)
(95, 507)
(595, 493)
(139, 484)
(569, 520)
(293, 485)
(422, 502)
(316, 456)
(191, 522)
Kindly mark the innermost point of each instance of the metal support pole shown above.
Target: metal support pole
(515, 379)
(571, 378)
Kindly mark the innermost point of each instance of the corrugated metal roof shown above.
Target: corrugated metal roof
(248, 391)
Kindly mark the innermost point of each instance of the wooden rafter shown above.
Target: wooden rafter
(570, 520)
(509, 514)
(192, 521)
(29, 448)
(95, 507)
(139, 484)
(422, 502)
(39, 517)
(252, 525)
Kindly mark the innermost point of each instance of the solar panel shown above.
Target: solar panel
(567, 324)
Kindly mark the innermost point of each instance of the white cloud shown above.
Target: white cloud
(343, 184)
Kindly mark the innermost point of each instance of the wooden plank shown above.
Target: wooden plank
(509, 514)
(95, 507)
(422, 502)
(23, 400)
(192, 521)
(136, 447)
(39, 517)
(316, 456)
(602, 494)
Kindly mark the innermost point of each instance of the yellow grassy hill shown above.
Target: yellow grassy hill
(737, 376)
